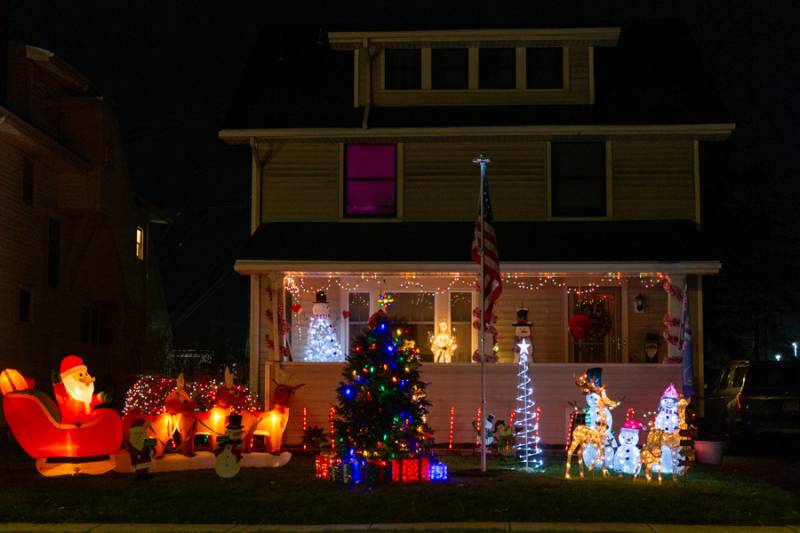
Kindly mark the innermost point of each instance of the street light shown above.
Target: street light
(794, 347)
(778, 357)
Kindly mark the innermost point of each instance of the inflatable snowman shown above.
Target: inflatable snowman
(627, 457)
(667, 419)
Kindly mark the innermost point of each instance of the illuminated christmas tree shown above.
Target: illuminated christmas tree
(322, 344)
(382, 405)
(526, 423)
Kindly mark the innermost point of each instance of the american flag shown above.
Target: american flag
(492, 284)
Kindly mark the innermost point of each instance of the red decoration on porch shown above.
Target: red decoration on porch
(296, 308)
(397, 475)
(579, 326)
(346, 314)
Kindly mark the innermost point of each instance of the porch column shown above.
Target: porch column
(674, 310)
(254, 365)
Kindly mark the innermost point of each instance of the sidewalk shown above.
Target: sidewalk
(493, 527)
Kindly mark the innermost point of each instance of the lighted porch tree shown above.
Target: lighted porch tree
(382, 405)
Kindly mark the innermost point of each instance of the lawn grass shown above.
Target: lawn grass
(291, 495)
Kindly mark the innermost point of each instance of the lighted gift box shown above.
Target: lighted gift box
(410, 470)
(425, 469)
(322, 466)
(438, 472)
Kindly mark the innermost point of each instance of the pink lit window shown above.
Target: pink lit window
(370, 187)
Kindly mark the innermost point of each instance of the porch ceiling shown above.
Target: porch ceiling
(445, 247)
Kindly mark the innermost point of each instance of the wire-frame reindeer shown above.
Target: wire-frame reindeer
(583, 435)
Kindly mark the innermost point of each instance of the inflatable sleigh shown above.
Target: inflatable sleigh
(60, 447)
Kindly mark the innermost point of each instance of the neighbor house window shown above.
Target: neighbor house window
(27, 181)
(497, 68)
(415, 310)
(53, 253)
(402, 69)
(578, 179)
(461, 325)
(358, 305)
(544, 68)
(24, 305)
(370, 184)
(449, 68)
(140, 243)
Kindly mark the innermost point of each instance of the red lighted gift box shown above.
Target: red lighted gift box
(411, 470)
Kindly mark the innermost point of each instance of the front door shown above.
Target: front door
(602, 343)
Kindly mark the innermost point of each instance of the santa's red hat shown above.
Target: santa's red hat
(70, 364)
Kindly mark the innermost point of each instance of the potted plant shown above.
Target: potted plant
(709, 446)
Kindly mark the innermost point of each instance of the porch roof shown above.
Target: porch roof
(639, 245)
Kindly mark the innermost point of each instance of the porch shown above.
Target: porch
(456, 387)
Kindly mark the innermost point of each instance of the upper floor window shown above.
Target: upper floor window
(449, 68)
(370, 181)
(402, 69)
(578, 173)
(544, 68)
(497, 68)
(139, 243)
(27, 181)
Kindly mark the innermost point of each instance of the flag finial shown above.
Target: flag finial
(482, 160)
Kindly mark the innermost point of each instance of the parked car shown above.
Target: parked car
(755, 397)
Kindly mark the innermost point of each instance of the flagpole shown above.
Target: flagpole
(482, 160)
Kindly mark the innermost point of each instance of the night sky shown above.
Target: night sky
(171, 70)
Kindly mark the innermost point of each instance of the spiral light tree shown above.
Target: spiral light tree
(526, 423)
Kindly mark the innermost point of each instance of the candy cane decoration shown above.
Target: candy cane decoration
(331, 414)
(452, 416)
(305, 425)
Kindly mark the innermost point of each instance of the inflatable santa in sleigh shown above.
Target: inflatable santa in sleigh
(69, 437)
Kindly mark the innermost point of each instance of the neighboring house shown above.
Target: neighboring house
(363, 183)
(77, 272)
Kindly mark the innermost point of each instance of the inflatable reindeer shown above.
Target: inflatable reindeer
(269, 426)
(583, 435)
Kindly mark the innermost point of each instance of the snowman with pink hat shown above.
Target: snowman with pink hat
(667, 419)
(627, 457)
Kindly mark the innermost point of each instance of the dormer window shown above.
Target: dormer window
(497, 68)
(449, 68)
(403, 69)
(544, 68)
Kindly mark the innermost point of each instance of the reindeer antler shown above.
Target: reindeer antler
(586, 385)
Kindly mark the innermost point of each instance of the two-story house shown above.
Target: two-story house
(77, 274)
(363, 185)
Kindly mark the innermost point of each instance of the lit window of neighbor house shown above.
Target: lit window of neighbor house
(140, 243)
(370, 181)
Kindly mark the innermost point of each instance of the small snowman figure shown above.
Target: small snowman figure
(627, 456)
(229, 450)
(489, 423)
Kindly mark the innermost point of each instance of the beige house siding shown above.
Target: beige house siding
(547, 313)
(441, 182)
(653, 180)
(313, 170)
